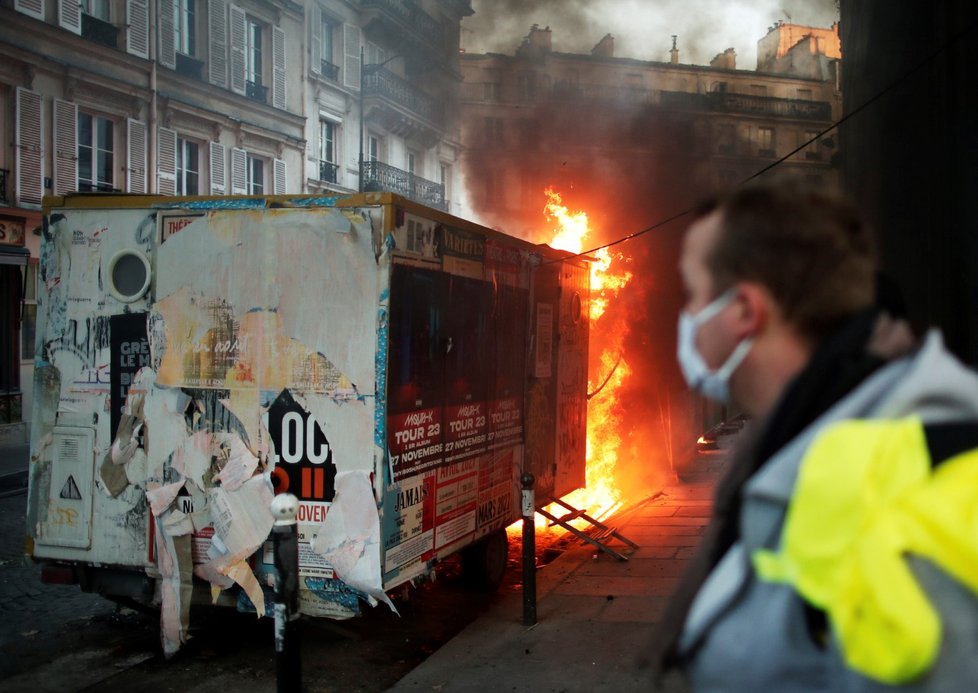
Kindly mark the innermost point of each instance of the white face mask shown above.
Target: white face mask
(712, 384)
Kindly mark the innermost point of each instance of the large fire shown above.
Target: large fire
(601, 496)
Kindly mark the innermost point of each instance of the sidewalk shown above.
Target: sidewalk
(595, 615)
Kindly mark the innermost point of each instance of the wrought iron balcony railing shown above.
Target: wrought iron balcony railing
(410, 15)
(329, 70)
(254, 90)
(96, 187)
(379, 81)
(327, 171)
(377, 176)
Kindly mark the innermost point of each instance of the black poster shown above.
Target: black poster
(305, 461)
(129, 349)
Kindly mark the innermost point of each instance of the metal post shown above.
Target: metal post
(529, 552)
(285, 541)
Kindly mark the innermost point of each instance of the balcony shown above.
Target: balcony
(327, 171)
(329, 71)
(189, 66)
(405, 26)
(770, 106)
(254, 90)
(99, 31)
(97, 187)
(380, 177)
(383, 83)
(569, 91)
(725, 102)
(3, 184)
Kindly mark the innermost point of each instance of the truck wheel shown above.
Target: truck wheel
(484, 562)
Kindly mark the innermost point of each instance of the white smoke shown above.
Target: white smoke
(642, 29)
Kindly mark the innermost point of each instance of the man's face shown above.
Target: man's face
(713, 341)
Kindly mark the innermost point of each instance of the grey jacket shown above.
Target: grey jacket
(743, 634)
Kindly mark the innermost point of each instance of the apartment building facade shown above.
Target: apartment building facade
(210, 97)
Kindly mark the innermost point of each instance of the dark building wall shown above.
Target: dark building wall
(911, 156)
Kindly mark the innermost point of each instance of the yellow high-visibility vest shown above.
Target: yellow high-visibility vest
(866, 497)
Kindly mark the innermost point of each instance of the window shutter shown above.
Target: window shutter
(166, 161)
(351, 56)
(217, 43)
(316, 39)
(27, 136)
(279, 173)
(217, 166)
(239, 171)
(69, 15)
(167, 39)
(278, 68)
(32, 8)
(137, 27)
(238, 30)
(65, 147)
(136, 156)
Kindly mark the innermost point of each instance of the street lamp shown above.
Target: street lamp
(364, 69)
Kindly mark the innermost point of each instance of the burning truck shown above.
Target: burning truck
(394, 367)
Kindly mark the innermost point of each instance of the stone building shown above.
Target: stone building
(209, 97)
(541, 117)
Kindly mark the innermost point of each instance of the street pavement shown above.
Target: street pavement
(596, 615)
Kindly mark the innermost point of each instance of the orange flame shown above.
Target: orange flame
(601, 495)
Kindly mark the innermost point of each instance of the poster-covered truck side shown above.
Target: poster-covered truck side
(394, 367)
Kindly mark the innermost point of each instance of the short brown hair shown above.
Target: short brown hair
(811, 249)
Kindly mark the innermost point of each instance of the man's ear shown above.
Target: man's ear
(752, 309)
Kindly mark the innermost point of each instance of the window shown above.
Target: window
(490, 91)
(256, 176)
(327, 151)
(445, 178)
(412, 163)
(373, 148)
(494, 131)
(765, 142)
(27, 329)
(188, 167)
(96, 8)
(184, 32)
(96, 161)
(812, 151)
(525, 86)
(725, 139)
(253, 55)
(328, 69)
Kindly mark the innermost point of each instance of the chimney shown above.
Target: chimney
(605, 48)
(726, 60)
(674, 52)
(536, 44)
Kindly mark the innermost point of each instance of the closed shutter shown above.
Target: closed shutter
(166, 161)
(351, 56)
(239, 171)
(238, 29)
(136, 156)
(65, 147)
(32, 8)
(137, 27)
(217, 43)
(278, 68)
(69, 15)
(27, 138)
(218, 170)
(315, 38)
(167, 38)
(279, 173)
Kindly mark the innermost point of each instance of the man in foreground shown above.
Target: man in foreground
(843, 550)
